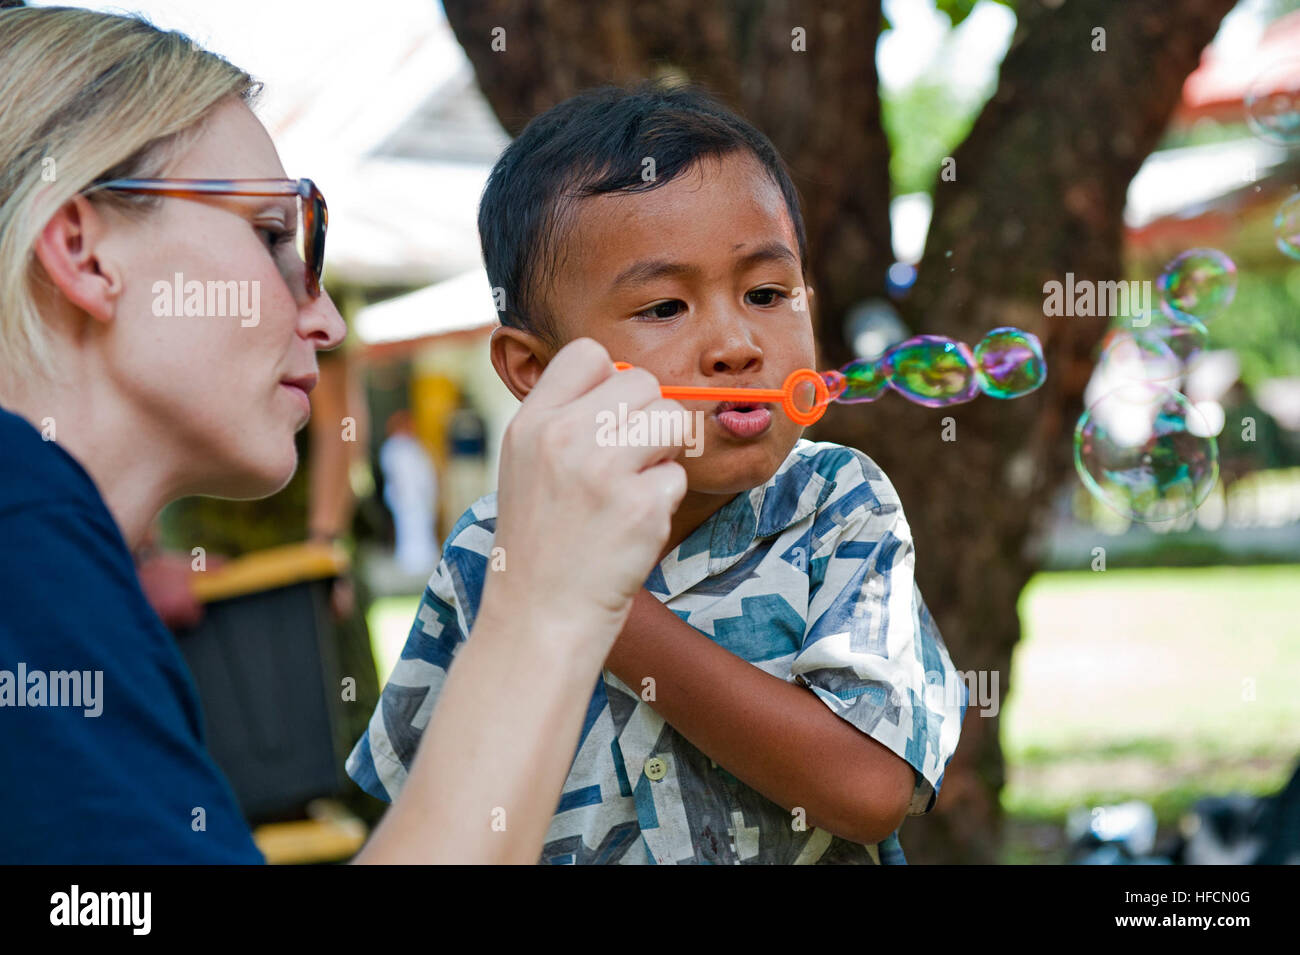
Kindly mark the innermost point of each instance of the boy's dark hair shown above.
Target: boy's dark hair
(592, 144)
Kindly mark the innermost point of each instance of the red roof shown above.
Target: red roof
(1217, 88)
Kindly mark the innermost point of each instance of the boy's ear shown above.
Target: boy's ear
(519, 357)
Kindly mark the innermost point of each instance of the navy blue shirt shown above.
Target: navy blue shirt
(117, 771)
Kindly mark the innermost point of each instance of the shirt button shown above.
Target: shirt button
(656, 768)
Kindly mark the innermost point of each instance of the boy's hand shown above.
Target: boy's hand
(580, 525)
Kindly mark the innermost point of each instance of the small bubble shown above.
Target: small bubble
(1010, 363)
(1286, 227)
(1198, 284)
(864, 380)
(1273, 103)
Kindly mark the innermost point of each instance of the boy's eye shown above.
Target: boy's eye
(764, 296)
(663, 310)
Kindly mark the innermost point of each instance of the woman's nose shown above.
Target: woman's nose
(321, 322)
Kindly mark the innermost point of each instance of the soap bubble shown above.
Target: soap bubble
(1009, 363)
(866, 380)
(1130, 357)
(932, 370)
(1286, 227)
(836, 383)
(1197, 284)
(805, 394)
(1186, 338)
(1273, 103)
(1146, 453)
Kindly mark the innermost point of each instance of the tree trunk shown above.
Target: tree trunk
(1039, 191)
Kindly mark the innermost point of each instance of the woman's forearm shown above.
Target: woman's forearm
(487, 777)
(483, 788)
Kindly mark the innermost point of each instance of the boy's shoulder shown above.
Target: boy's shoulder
(848, 477)
(475, 528)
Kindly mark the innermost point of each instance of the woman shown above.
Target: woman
(111, 405)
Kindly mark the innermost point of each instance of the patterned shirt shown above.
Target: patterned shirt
(808, 577)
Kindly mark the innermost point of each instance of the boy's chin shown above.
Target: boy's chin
(732, 470)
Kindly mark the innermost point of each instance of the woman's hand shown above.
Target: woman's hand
(580, 525)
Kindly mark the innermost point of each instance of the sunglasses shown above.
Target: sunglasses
(312, 219)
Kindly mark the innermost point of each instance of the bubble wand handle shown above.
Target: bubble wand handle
(785, 394)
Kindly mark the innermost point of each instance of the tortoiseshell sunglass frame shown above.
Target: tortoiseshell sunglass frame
(314, 212)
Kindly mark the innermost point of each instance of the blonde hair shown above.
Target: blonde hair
(85, 96)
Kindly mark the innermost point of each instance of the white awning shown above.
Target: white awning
(461, 304)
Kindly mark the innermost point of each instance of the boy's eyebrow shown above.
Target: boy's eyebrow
(662, 268)
(652, 269)
(768, 252)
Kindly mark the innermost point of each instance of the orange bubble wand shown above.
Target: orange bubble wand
(785, 395)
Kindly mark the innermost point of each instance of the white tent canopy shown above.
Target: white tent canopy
(460, 304)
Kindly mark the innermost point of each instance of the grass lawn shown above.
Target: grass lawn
(1161, 685)
(390, 620)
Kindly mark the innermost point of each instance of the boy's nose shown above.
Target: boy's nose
(733, 350)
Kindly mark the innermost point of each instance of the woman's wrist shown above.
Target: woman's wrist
(545, 632)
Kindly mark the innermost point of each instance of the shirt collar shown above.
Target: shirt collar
(794, 492)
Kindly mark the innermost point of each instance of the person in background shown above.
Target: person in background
(411, 493)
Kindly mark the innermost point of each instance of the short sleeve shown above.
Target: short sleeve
(871, 651)
(381, 759)
(103, 760)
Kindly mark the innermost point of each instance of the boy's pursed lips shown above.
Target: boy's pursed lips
(744, 419)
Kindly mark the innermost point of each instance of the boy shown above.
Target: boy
(779, 693)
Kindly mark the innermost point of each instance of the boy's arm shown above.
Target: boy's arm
(777, 737)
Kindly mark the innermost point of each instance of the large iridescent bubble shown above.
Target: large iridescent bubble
(1198, 284)
(1273, 103)
(1146, 452)
(1009, 363)
(932, 370)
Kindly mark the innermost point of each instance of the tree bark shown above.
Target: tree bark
(1039, 191)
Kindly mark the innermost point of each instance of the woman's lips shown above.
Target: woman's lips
(299, 394)
(301, 388)
(743, 420)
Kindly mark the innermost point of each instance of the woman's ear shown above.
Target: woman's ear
(519, 357)
(70, 249)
